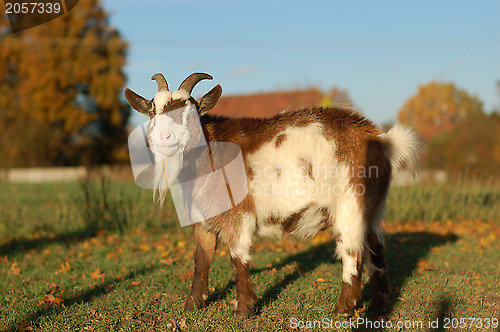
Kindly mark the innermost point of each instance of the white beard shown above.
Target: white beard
(166, 172)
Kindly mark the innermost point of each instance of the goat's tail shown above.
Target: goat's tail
(405, 146)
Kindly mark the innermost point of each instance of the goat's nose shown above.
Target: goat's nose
(165, 136)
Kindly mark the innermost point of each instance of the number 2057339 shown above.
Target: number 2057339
(33, 8)
(470, 323)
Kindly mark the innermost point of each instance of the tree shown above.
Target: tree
(473, 145)
(60, 91)
(437, 107)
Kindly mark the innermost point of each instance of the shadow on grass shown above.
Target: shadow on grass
(445, 308)
(403, 251)
(307, 261)
(18, 246)
(86, 296)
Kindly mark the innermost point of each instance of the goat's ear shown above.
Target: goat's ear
(140, 104)
(208, 101)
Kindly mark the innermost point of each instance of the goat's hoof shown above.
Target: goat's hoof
(344, 309)
(243, 310)
(378, 306)
(194, 302)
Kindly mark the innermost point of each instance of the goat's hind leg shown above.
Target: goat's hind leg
(352, 262)
(204, 256)
(377, 270)
(351, 230)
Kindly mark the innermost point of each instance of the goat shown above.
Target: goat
(307, 170)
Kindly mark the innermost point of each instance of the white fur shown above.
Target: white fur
(168, 155)
(241, 248)
(310, 224)
(351, 227)
(265, 229)
(280, 196)
(405, 147)
(163, 97)
(349, 267)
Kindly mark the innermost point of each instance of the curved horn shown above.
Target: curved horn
(162, 82)
(193, 79)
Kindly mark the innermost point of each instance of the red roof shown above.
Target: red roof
(267, 104)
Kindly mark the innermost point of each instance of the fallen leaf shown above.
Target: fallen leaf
(15, 269)
(63, 268)
(53, 285)
(51, 299)
(23, 326)
(97, 275)
(424, 266)
(144, 247)
(135, 283)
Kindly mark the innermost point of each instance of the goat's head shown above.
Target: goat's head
(174, 125)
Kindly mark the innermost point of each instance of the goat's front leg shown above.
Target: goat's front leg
(240, 260)
(204, 256)
(245, 295)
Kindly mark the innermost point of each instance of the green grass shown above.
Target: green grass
(458, 201)
(126, 265)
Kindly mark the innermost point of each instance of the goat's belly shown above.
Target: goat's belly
(304, 223)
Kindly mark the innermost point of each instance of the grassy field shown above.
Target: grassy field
(102, 257)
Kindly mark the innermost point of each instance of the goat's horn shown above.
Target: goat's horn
(193, 79)
(162, 82)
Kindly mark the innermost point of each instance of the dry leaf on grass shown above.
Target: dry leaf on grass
(63, 268)
(424, 266)
(97, 275)
(50, 299)
(23, 326)
(15, 269)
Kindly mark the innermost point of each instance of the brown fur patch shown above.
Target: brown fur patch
(176, 104)
(251, 133)
(306, 167)
(245, 294)
(288, 224)
(280, 139)
(326, 218)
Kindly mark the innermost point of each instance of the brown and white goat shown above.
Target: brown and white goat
(307, 170)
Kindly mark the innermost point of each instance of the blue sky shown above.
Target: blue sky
(380, 51)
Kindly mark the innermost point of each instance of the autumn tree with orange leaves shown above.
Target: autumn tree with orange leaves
(60, 91)
(461, 137)
(437, 107)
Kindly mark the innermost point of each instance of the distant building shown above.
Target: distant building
(267, 104)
